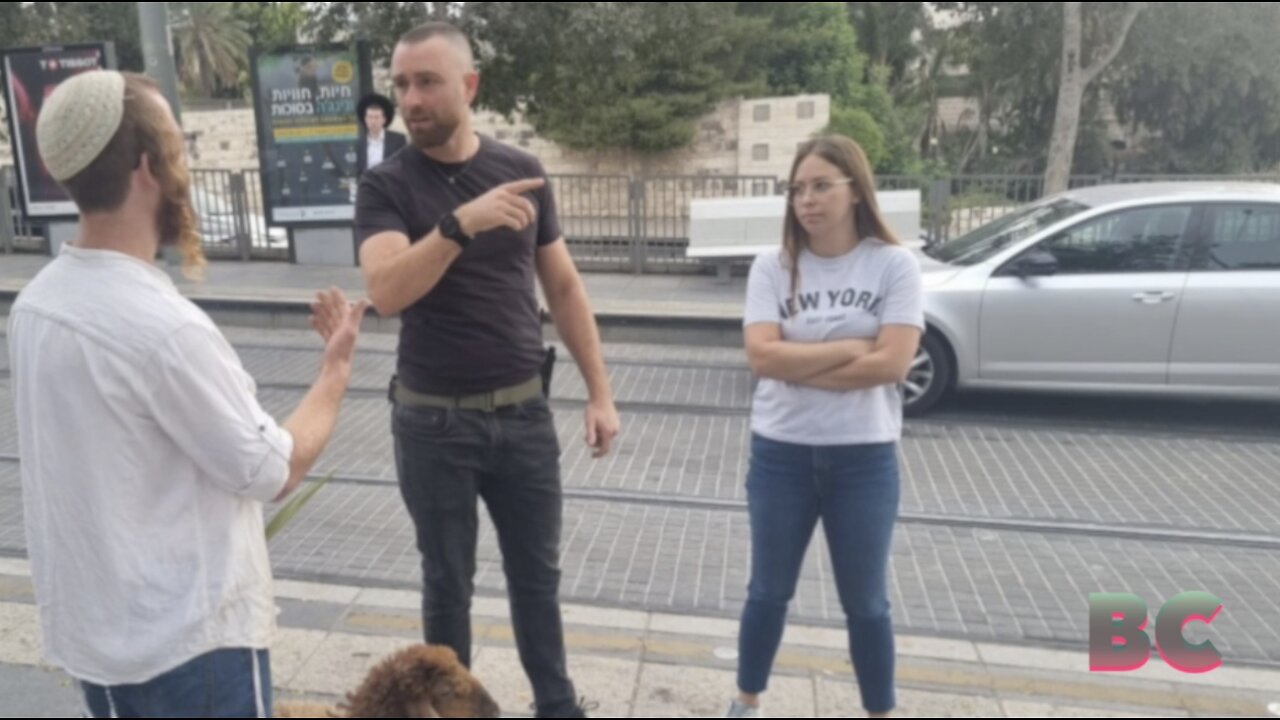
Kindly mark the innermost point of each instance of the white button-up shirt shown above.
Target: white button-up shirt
(146, 461)
(377, 150)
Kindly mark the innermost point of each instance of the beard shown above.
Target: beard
(440, 132)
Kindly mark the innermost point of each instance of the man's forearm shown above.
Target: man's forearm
(577, 327)
(411, 274)
(312, 423)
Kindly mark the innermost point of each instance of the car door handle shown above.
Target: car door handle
(1155, 297)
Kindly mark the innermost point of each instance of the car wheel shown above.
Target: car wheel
(930, 378)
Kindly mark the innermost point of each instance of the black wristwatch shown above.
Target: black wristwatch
(452, 229)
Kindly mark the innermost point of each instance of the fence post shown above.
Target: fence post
(6, 214)
(240, 210)
(636, 196)
(939, 201)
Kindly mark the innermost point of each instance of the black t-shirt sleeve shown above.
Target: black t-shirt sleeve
(548, 218)
(376, 212)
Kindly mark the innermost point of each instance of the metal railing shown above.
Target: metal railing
(17, 232)
(612, 222)
(661, 208)
(231, 218)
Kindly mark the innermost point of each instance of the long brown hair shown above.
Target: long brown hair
(144, 129)
(848, 156)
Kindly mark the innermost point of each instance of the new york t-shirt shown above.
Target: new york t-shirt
(850, 296)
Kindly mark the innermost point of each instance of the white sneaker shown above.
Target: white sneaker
(738, 710)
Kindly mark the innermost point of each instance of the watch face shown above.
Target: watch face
(450, 228)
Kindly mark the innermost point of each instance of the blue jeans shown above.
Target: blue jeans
(854, 489)
(233, 683)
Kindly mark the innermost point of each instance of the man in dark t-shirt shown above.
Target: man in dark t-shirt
(454, 233)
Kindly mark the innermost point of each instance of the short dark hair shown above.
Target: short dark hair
(440, 28)
(435, 28)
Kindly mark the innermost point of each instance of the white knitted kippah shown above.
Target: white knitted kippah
(78, 120)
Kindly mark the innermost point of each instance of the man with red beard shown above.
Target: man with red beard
(146, 458)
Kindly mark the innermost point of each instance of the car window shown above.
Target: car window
(1130, 241)
(1242, 237)
(983, 242)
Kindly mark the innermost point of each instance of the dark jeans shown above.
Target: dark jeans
(223, 684)
(510, 458)
(854, 489)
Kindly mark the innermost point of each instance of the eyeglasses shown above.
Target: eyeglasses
(820, 188)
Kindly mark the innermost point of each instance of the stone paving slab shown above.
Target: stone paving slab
(949, 468)
(951, 582)
(641, 668)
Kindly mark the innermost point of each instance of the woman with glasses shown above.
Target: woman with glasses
(832, 324)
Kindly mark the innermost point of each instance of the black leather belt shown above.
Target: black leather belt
(488, 402)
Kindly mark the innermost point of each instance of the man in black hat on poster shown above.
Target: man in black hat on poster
(376, 113)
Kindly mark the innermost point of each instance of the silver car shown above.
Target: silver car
(1163, 288)
(218, 223)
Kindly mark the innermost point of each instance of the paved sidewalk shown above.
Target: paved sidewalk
(641, 664)
(675, 296)
(1004, 534)
(1008, 523)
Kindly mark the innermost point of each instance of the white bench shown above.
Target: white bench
(722, 230)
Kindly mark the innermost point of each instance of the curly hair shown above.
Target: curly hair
(421, 681)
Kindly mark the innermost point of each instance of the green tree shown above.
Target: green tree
(1089, 45)
(13, 24)
(1201, 83)
(381, 24)
(888, 32)
(212, 45)
(1011, 52)
(613, 75)
(806, 47)
(117, 22)
(859, 125)
(811, 47)
(272, 25)
(28, 24)
(638, 76)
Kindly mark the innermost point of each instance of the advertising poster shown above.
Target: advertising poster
(30, 76)
(308, 134)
